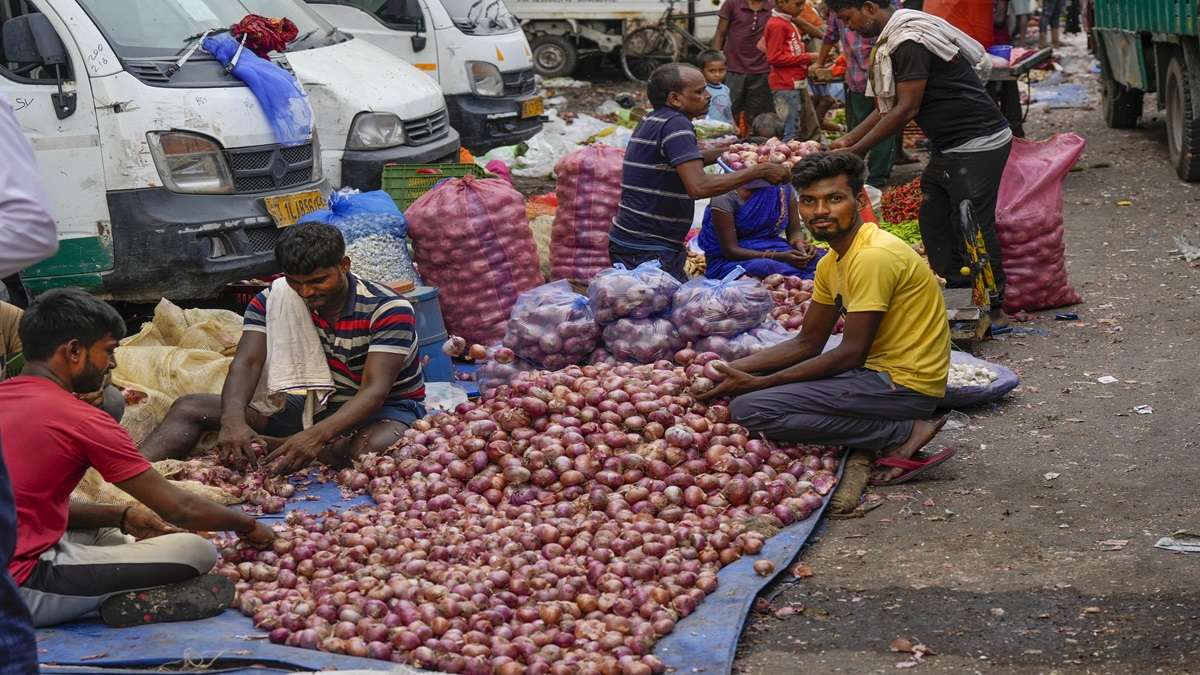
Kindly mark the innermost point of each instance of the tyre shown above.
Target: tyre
(645, 49)
(554, 56)
(1122, 105)
(1183, 132)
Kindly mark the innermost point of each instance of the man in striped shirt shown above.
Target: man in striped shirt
(663, 173)
(369, 336)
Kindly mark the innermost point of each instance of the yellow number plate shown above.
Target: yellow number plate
(532, 108)
(285, 210)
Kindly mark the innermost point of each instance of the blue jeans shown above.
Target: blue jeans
(800, 121)
(290, 420)
(18, 647)
(1051, 12)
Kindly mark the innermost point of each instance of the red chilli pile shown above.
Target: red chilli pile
(561, 525)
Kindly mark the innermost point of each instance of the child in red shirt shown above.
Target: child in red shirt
(789, 61)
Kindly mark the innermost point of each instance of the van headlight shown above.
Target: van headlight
(190, 163)
(375, 131)
(485, 78)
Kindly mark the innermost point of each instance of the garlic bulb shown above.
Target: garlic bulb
(970, 375)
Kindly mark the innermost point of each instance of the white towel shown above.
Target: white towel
(935, 34)
(295, 359)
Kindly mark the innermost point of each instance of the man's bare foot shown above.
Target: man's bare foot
(923, 432)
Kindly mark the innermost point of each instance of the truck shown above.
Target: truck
(474, 49)
(1152, 46)
(164, 175)
(562, 32)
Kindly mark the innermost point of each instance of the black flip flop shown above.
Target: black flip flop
(199, 598)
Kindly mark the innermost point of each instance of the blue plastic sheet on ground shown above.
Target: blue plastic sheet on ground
(230, 637)
(963, 397)
(707, 640)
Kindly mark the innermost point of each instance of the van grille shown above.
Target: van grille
(264, 168)
(424, 130)
(262, 239)
(519, 83)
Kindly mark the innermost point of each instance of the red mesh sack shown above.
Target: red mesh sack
(589, 189)
(472, 241)
(1029, 223)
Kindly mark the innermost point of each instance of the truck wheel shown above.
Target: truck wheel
(1183, 132)
(1122, 105)
(553, 56)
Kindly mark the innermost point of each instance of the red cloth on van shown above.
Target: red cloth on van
(265, 35)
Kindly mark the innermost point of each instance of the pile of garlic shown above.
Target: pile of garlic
(970, 375)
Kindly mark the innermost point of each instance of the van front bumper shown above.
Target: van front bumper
(487, 123)
(363, 169)
(165, 244)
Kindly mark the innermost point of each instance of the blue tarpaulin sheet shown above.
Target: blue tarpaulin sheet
(707, 639)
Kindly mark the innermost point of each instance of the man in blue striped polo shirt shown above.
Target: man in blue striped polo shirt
(663, 173)
(369, 337)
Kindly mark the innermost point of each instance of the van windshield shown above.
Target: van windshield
(153, 28)
(481, 17)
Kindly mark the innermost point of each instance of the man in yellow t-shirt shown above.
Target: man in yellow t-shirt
(877, 389)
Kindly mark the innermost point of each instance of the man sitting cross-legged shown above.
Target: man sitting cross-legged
(877, 388)
(74, 558)
(369, 338)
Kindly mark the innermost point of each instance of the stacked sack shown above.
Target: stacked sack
(472, 241)
(728, 316)
(552, 327)
(589, 189)
(376, 234)
(634, 305)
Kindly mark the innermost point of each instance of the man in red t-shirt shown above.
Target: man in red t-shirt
(73, 558)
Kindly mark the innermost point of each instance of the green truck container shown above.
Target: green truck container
(1152, 46)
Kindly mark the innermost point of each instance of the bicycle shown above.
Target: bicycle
(660, 43)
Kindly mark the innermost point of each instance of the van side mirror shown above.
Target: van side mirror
(30, 41)
(419, 42)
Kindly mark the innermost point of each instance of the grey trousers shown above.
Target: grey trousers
(859, 408)
(86, 567)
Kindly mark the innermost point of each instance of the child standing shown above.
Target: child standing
(720, 108)
(789, 61)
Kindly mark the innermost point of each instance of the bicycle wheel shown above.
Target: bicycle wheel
(645, 49)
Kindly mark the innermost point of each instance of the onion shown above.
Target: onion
(763, 568)
(562, 523)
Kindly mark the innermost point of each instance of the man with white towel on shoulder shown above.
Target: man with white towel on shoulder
(340, 349)
(924, 69)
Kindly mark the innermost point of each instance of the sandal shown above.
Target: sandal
(912, 467)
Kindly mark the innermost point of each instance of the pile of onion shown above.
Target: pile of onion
(561, 525)
(260, 491)
(792, 296)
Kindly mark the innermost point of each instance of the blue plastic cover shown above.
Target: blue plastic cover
(280, 96)
(705, 641)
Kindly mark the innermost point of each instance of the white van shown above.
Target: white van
(474, 48)
(171, 182)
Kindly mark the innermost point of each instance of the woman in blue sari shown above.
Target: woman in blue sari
(747, 227)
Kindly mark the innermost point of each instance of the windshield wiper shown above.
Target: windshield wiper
(190, 45)
(474, 5)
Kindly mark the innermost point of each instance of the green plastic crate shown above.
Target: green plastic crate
(405, 184)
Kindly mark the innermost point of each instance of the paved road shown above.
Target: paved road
(991, 564)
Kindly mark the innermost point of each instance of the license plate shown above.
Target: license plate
(285, 210)
(532, 108)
